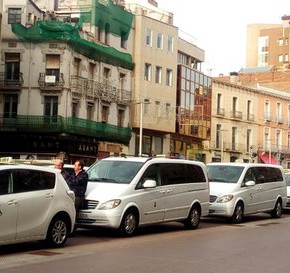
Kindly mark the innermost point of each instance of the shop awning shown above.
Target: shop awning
(267, 160)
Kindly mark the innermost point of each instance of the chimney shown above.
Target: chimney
(234, 76)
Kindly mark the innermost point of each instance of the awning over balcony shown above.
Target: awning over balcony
(267, 160)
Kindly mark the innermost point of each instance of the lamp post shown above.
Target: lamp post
(140, 128)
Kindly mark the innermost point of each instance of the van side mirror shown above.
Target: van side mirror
(149, 184)
(250, 183)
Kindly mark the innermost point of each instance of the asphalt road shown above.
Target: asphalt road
(260, 244)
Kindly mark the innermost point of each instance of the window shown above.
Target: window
(52, 67)
(170, 44)
(160, 40)
(249, 138)
(106, 73)
(279, 113)
(280, 42)
(90, 111)
(158, 74)
(234, 137)
(147, 72)
(168, 77)
(10, 106)
(107, 32)
(148, 37)
(146, 106)
(92, 68)
(218, 135)
(105, 113)
(280, 58)
(278, 140)
(157, 109)
(32, 180)
(75, 110)
(167, 110)
(51, 108)
(286, 58)
(12, 66)
(123, 40)
(121, 117)
(77, 66)
(14, 15)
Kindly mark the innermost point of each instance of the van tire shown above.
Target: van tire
(238, 214)
(193, 218)
(277, 211)
(129, 223)
(58, 232)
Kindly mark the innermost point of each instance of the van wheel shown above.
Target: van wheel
(238, 213)
(58, 232)
(193, 218)
(277, 211)
(129, 223)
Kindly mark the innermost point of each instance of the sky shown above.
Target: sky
(219, 27)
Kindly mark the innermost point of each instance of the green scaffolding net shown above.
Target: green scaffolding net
(113, 18)
(109, 17)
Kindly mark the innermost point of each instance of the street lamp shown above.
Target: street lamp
(141, 125)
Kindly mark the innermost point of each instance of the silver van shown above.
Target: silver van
(238, 189)
(127, 192)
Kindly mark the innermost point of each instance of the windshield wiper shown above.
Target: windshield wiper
(103, 179)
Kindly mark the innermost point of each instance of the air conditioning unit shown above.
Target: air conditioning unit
(50, 79)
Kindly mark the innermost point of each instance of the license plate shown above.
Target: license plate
(82, 216)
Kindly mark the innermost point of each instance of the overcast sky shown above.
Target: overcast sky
(219, 27)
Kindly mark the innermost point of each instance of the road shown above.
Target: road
(260, 244)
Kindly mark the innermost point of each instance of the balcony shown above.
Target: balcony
(220, 111)
(103, 90)
(50, 82)
(10, 81)
(60, 125)
(250, 117)
(236, 115)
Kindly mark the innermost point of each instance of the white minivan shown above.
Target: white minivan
(127, 192)
(238, 189)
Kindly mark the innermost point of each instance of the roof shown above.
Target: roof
(257, 69)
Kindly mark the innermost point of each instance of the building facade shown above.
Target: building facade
(65, 89)
(268, 45)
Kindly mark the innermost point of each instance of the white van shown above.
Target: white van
(126, 192)
(238, 189)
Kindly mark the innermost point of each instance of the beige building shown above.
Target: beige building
(235, 122)
(164, 86)
(251, 114)
(65, 87)
(268, 45)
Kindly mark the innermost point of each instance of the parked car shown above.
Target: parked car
(35, 204)
(287, 178)
(238, 189)
(125, 193)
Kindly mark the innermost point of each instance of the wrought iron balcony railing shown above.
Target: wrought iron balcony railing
(8, 80)
(52, 81)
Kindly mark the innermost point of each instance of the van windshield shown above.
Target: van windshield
(224, 174)
(114, 171)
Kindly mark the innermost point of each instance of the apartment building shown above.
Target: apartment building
(65, 80)
(170, 109)
(264, 122)
(268, 45)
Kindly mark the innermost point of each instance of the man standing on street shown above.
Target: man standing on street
(78, 183)
(59, 164)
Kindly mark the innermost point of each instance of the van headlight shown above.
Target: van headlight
(110, 204)
(225, 198)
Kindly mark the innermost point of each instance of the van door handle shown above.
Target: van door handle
(48, 195)
(12, 202)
